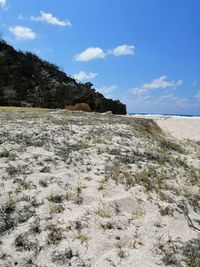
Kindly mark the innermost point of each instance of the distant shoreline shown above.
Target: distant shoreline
(158, 115)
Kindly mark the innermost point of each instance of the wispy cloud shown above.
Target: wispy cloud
(123, 50)
(82, 76)
(107, 90)
(22, 33)
(2, 3)
(180, 102)
(90, 53)
(51, 19)
(158, 83)
(198, 95)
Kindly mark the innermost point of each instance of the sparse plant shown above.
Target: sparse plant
(102, 183)
(137, 213)
(43, 183)
(167, 145)
(191, 253)
(146, 128)
(68, 195)
(103, 211)
(45, 169)
(121, 253)
(83, 238)
(117, 173)
(62, 257)
(57, 208)
(7, 217)
(107, 226)
(4, 154)
(55, 235)
(78, 198)
(22, 243)
(55, 198)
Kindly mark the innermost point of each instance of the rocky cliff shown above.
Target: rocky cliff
(26, 80)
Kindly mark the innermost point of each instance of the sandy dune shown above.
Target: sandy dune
(96, 190)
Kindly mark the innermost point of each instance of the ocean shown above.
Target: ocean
(163, 115)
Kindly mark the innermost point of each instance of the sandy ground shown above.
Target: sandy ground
(96, 190)
(180, 128)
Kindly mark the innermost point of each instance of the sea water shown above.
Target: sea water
(163, 115)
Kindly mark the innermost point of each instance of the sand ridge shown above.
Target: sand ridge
(87, 189)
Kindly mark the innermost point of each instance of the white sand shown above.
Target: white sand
(180, 128)
(124, 198)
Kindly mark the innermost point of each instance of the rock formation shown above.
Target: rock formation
(79, 106)
(26, 80)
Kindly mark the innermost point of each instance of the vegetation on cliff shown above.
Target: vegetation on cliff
(26, 80)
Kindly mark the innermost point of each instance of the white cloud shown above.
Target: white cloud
(159, 83)
(175, 100)
(107, 90)
(90, 53)
(22, 33)
(198, 95)
(123, 50)
(50, 19)
(2, 3)
(81, 76)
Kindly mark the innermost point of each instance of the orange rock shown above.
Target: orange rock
(79, 106)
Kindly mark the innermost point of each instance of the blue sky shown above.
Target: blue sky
(144, 52)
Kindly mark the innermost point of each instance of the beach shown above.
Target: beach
(99, 190)
(178, 127)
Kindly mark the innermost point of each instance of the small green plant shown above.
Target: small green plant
(55, 198)
(57, 209)
(10, 206)
(18, 189)
(151, 179)
(78, 199)
(55, 235)
(102, 183)
(107, 226)
(103, 211)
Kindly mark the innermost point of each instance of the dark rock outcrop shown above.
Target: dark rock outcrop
(26, 80)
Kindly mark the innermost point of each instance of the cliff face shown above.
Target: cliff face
(26, 80)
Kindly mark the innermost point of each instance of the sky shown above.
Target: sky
(146, 53)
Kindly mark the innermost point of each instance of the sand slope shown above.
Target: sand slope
(86, 189)
(181, 128)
